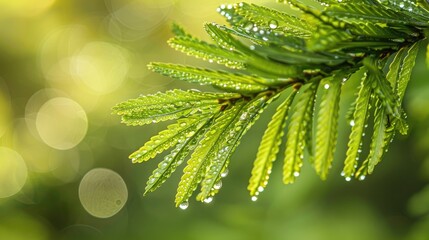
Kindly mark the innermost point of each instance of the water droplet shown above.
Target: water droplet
(248, 26)
(326, 86)
(362, 177)
(224, 173)
(190, 134)
(254, 198)
(352, 123)
(156, 174)
(208, 200)
(273, 24)
(184, 205)
(252, 47)
(151, 180)
(401, 5)
(243, 116)
(343, 174)
(348, 179)
(260, 189)
(163, 165)
(217, 185)
(296, 174)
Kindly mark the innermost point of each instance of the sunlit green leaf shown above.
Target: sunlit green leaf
(172, 104)
(208, 52)
(270, 51)
(252, 17)
(406, 69)
(175, 133)
(196, 166)
(378, 140)
(297, 130)
(359, 124)
(327, 124)
(232, 82)
(176, 157)
(227, 143)
(269, 147)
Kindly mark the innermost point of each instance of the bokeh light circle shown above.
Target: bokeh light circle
(13, 172)
(101, 66)
(131, 20)
(61, 123)
(102, 192)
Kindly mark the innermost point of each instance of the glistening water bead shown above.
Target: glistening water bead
(184, 205)
(273, 24)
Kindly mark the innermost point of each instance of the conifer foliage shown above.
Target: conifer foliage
(273, 56)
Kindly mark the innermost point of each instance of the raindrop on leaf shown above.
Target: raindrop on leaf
(184, 205)
(273, 24)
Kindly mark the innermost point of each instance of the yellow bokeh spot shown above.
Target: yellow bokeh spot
(13, 172)
(102, 192)
(25, 8)
(101, 66)
(61, 123)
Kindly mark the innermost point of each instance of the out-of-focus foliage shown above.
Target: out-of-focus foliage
(68, 57)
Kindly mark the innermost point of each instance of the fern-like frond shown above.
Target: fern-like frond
(363, 12)
(301, 58)
(406, 68)
(268, 52)
(227, 144)
(255, 62)
(382, 87)
(175, 133)
(378, 140)
(208, 52)
(359, 124)
(257, 18)
(231, 82)
(327, 124)
(170, 105)
(196, 167)
(177, 156)
(297, 130)
(326, 38)
(269, 147)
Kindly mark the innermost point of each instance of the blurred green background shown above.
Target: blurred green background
(64, 64)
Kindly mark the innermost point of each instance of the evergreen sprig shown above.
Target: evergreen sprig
(269, 52)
